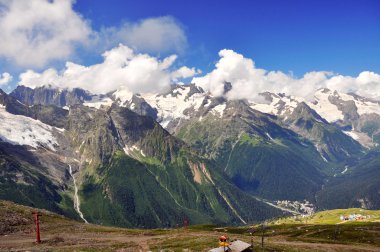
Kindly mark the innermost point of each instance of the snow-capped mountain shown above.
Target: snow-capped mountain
(180, 103)
(333, 106)
(282, 140)
(113, 156)
(353, 114)
(356, 116)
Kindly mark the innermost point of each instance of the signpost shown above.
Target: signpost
(37, 222)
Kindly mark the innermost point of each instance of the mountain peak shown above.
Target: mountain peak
(48, 95)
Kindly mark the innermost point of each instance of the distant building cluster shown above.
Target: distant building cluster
(353, 217)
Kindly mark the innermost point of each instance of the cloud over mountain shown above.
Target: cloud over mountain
(5, 78)
(248, 81)
(121, 67)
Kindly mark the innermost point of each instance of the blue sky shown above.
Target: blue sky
(294, 37)
(299, 36)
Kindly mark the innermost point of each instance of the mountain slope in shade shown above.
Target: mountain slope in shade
(356, 186)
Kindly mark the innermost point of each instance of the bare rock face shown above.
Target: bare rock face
(50, 96)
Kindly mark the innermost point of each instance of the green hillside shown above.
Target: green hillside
(359, 187)
(257, 154)
(156, 181)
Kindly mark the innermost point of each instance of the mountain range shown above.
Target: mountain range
(157, 160)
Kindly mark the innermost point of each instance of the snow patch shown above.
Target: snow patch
(60, 129)
(123, 95)
(172, 106)
(269, 136)
(321, 153)
(97, 102)
(325, 108)
(280, 105)
(352, 134)
(270, 108)
(219, 109)
(131, 151)
(22, 130)
(345, 169)
(363, 106)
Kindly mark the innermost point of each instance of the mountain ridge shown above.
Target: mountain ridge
(194, 147)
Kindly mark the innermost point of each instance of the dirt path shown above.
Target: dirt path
(125, 242)
(23, 242)
(322, 246)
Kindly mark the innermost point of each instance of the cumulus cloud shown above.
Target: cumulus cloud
(151, 35)
(5, 79)
(248, 81)
(185, 72)
(36, 32)
(122, 67)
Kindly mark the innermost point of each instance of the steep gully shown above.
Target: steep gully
(76, 197)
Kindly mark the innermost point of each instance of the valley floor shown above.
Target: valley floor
(61, 234)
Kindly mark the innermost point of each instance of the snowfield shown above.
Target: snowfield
(169, 106)
(22, 130)
(324, 107)
(279, 106)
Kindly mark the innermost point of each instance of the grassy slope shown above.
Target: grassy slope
(61, 234)
(330, 217)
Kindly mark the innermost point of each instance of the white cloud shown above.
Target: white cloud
(185, 72)
(5, 79)
(36, 32)
(138, 73)
(248, 81)
(151, 35)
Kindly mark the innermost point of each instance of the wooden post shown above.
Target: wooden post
(262, 236)
(37, 222)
